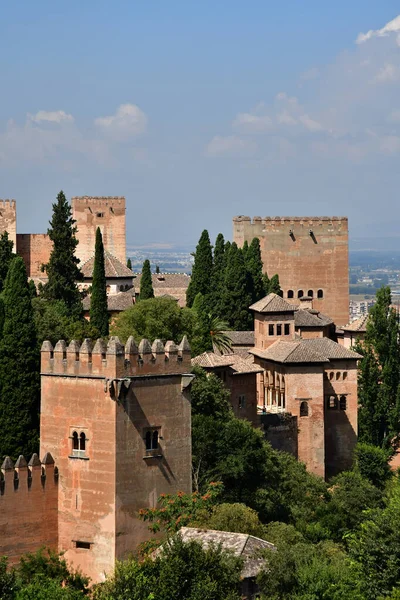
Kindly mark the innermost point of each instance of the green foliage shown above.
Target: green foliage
(236, 298)
(154, 318)
(217, 277)
(209, 332)
(372, 463)
(48, 564)
(254, 267)
(53, 322)
(19, 367)
(201, 271)
(62, 269)
(234, 517)
(47, 589)
(129, 264)
(182, 571)
(6, 256)
(209, 396)
(146, 283)
(98, 298)
(274, 286)
(8, 581)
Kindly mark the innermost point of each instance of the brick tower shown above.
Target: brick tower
(8, 220)
(108, 213)
(117, 421)
(310, 255)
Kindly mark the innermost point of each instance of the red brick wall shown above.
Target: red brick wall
(28, 513)
(35, 249)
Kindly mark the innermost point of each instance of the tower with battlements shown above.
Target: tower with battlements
(310, 255)
(8, 219)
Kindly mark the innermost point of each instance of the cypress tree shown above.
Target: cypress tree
(129, 264)
(6, 256)
(236, 299)
(19, 367)
(245, 248)
(254, 267)
(146, 283)
(62, 269)
(98, 299)
(274, 285)
(217, 275)
(202, 267)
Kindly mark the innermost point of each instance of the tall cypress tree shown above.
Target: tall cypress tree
(236, 299)
(98, 299)
(19, 367)
(129, 264)
(274, 286)
(254, 267)
(200, 282)
(6, 256)
(217, 276)
(62, 269)
(146, 283)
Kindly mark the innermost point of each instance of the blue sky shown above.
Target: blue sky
(200, 111)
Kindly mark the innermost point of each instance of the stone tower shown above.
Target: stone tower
(117, 421)
(108, 213)
(8, 220)
(310, 255)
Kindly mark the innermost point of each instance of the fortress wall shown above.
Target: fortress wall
(8, 219)
(35, 249)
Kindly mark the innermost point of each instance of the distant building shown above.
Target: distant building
(173, 285)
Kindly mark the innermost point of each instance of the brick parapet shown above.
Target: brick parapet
(115, 360)
(8, 204)
(288, 220)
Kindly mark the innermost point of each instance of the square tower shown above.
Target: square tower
(117, 421)
(108, 213)
(8, 220)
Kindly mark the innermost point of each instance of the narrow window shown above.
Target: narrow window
(154, 440)
(121, 288)
(300, 294)
(271, 330)
(331, 376)
(332, 403)
(279, 330)
(242, 401)
(99, 215)
(304, 409)
(343, 403)
(310, 294)
(148, 440)
(82, 442)
(83, 545)
(75, 441)
(290, 294)
(151, 439)
(338, 376)
(320, 294)
(287, 328)
(344, 376)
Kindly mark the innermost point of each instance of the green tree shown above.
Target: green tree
(254, 267)
(19, 367)
(129, 264)
(373, 464)
(8, 581)
(236, 299)
(154, 318)
(62, 269)
(274, 286)
(98, 298)
(146, 283)
(217, 276)
(46, 564)
(200, 281)
(6, 256)
(235, 517)
(53, 323)
(209, 396)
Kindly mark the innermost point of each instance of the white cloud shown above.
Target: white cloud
(230, 145)
(390, 27)
(386, 74)
(128, 121)
(56, 116)
(252, 122)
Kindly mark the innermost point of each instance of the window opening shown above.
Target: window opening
(271, 330)
(279, 330)
(304, 409)
(343, 403)
(242, 401)
(290, 294)
(310, 293)
(83, 545)
(337, 375)
(331, 376)
(320, 294)
(300, 294)
(82, 442)
(344, 375)
(100, 215)
(332, 403)
(75, 441)
(151, 439)
(287, 329)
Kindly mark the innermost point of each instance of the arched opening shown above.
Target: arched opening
(304, 409)
(320, 294)
(290, 294)
(75, 441)
(300, 294)
(344, 375)
(338, 376)
(331, 374)
(332, 402)
(310, 293)
(82, 442)
(126, 287)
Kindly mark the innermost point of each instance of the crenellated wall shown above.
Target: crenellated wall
(28, 506)
(8, 219)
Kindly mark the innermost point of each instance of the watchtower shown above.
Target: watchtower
(8, 220)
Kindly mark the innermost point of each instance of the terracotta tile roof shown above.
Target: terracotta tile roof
(171, 284)
(241, 338)
(238, 364)
(115, 302)
(114, 268)
(359, 325)
(310, 318)
(243, 545)
(317, 350)
(272, 303)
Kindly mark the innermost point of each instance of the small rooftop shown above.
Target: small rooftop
(311, 318)
(360, 325)
(238, 364)
(114, 268)
(241, 338)
(115, 302)
(272, 303)
(317, 350)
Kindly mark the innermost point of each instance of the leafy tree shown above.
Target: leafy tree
(19, 367)
(372, 463)
(146, 283)
(53, 323)
(254, 267)
(234, 517)
(209, 396)
(201, 271)
(274, 286)
(98, 298)
(210, 332)
(154, 318)
(6, 256)
(236, 299)
(48, 564)
(129, 264)
(62, 269)
(8, 581)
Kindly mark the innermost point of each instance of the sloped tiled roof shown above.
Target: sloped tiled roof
(238, 364)
(114, 268)
(359, 325)
(317, 350)
(166, 280)
(243, 545)
(310, 318)
(241, 338)
(272, 303)
(115, 302)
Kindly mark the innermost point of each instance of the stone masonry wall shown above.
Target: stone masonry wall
(8, 219)
(308, 253)
(35, 249)
(28, 507)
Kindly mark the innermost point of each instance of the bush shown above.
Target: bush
(372, 463)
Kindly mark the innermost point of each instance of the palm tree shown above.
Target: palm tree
(219, 336)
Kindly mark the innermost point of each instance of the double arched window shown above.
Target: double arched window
(151, 439)
(79, 444)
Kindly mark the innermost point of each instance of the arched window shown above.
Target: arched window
(343, 403)
(310, 293)
(338, 376)
(344, 375)
(75, 441)
(290, 294)
(320, 294)
(300, 294)
(331, 376)
(82, 442)
(304, 409)
(151, 438)
(332, 402)
(126, 287)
